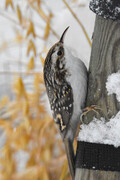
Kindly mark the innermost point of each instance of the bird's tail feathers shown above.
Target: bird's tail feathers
(70, 156)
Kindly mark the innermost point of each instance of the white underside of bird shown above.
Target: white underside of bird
(78, 81)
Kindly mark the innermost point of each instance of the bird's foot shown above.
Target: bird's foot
(86, 110)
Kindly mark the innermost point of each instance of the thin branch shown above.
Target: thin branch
(74, 15)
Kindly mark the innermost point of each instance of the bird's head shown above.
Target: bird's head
(56, 52)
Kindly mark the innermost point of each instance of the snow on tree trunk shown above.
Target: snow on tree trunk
(106, 8)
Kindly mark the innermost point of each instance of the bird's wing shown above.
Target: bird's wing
(61, 102)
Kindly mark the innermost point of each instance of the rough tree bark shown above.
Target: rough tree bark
(105, 60)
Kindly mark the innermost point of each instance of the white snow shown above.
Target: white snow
(113, 85)
(117, 9)
(112, 10)
(100, 131)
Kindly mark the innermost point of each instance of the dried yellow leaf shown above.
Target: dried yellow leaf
(19, 38)
(47, 155)
(26, 108)
(4, 46)
(38, 3)
(8, 162)
(42, 60)
(19, 14)
(31, 30)
(50, 16)
(24, 22)
(64, 170)
(19, 87)
(45, 50)
(30, 64)
(42, 14)
(44, 174)
(47, 28)
(32, 160)
(26, 125)
(3, 101)
(36, 82)
(23, 141)
(9, 3)
(4, 123)
(31, 46)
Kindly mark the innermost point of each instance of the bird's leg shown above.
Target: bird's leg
(94, 108)
(70, 156)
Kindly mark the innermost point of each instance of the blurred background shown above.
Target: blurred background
(30, 145)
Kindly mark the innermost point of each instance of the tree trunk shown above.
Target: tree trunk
(87, 174)
(105, 60)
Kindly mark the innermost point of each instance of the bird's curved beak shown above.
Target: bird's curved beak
(63, 35)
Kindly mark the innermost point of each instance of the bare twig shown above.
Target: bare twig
(74, 15)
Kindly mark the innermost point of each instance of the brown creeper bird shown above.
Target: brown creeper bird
(65, 79)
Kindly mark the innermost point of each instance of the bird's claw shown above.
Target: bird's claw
(94, 108)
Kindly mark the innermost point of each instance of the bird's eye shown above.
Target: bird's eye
(59, 53)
